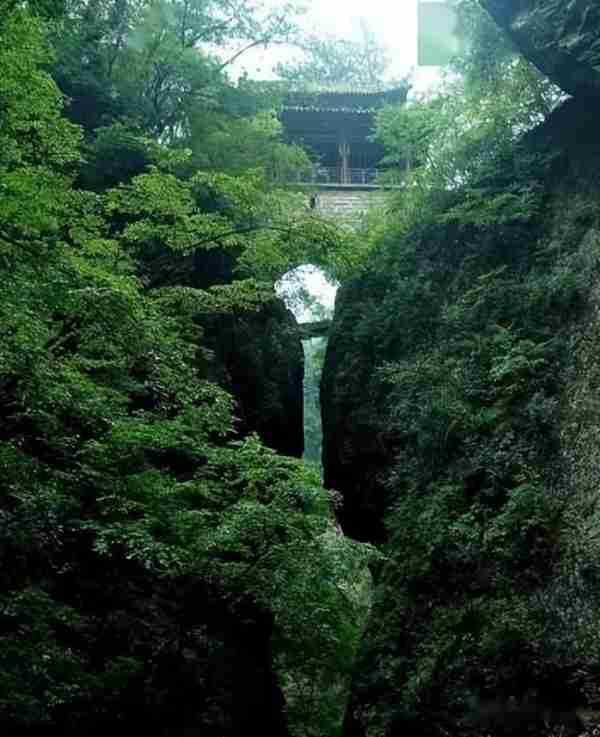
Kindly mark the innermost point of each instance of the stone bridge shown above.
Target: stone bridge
(314, 329)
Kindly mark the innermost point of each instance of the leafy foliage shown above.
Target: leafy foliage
(153, 61)
(141, 538)
(464, 132)
(469, 404)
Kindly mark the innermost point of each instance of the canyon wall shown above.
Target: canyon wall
(461, 426)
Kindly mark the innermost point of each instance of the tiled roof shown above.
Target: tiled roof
(346, 101)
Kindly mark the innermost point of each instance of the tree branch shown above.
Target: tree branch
(243, 231)
(25, 246)
(218, 238)
(239, 53)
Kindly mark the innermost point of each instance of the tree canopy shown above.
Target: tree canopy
(126, 483)
(332, 62)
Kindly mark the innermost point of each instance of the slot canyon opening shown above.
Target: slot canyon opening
(310, 295)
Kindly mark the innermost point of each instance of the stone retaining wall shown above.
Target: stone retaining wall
(348, 205)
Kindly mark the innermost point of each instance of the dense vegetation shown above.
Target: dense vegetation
(156, 564)
(163, 568)
(452, 426)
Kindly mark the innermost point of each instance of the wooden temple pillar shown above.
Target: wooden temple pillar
(344, 151)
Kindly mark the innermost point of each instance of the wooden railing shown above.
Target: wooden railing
(335, 175)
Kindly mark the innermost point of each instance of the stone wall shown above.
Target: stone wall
(348, 205)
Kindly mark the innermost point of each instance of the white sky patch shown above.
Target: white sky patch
(319, 287)
(394, 24)
(312, 280)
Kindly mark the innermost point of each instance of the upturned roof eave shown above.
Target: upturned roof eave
(308, 101)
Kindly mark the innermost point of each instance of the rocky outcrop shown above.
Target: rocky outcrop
(561, 37)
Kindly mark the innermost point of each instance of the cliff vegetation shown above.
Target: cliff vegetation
(460, 410)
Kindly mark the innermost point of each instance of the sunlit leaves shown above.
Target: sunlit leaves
(461, 134)
(32, 130)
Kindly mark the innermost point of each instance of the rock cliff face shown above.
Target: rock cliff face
(559, 36)
(461, 426)
(354, 450)
(258, 358)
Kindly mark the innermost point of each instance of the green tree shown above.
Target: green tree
(238, 144)
(463, 132)
(153, 61)
(124, 486)
(338, 62)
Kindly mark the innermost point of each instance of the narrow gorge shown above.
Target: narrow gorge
(225, 511)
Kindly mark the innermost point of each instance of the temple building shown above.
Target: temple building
(335, 127)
